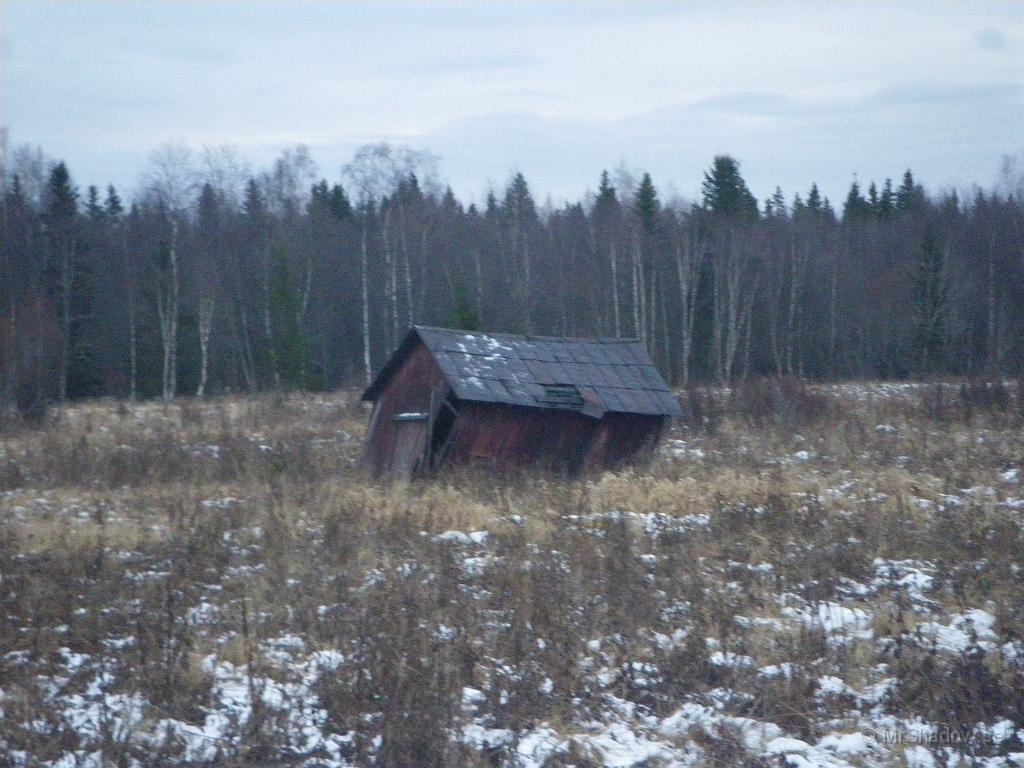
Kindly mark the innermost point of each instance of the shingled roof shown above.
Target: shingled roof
(592, 376)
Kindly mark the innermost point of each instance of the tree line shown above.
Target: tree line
(213, 278)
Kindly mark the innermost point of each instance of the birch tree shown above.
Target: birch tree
(171, 181)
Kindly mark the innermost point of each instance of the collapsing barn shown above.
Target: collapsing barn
(501, 401)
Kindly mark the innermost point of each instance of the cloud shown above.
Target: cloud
(992, 39)
(949, 133)
(945, 93)
(461, 63)
(556, 90)
(750, 103)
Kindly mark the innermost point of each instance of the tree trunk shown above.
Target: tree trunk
(133, 351)
(615, 286)
(66, 281)
(168, 296)
(637, 328)
(206, 306)
(478, 270)
(992, 341)
(244, 343)
(389, 259)
(268, 326)
(365, 284)
(688, 267)
(833, 300)
(403, 242)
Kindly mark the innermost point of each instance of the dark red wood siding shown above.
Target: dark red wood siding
(408, 390)
(506, 436)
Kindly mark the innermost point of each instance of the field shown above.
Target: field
(827, 576)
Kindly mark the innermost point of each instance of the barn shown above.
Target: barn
(501, 401)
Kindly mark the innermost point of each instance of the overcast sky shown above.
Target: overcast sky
(799, 92)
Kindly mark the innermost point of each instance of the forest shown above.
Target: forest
(214, 278)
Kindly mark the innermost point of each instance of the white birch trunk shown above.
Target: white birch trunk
(206, 307)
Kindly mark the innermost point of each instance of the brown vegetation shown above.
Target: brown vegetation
(163, 566)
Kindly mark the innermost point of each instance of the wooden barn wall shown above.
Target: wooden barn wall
(506, 436)
(408, 391)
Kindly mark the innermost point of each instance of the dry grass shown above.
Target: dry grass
(177, 549)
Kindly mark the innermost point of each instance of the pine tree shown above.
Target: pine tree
(931, 298)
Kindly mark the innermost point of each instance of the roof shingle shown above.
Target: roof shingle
(505, 368)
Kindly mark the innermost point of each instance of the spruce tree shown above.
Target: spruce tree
(725, 191)
(855, 205)
(887, 201)
(605, 192)
(646, 203)
(931, 298)
(93, 208)
(113, 205)
(63, 267)
(463, 316)
(291, 349)
(339, 203)
(910, 195)
(814, 204)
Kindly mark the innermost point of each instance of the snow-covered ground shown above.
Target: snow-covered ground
(848, 594)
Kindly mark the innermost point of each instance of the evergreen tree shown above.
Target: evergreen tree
(113, 205)
(887, 201)
(910, 195)
(63, 267)
(725, 191)
(93, 208)
(463, 316)
(605, 192)
(518, 200)
(776, 205)
(339, 203)
(207, 210)
(855, 206)
(799, 206)
(814, 204)
(931, 297)
(291, 348)
(253, 206)
(646, 203)
(873, 197)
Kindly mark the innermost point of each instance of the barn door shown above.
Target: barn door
(410, 444)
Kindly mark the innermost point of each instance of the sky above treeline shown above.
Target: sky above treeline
(799, 92)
